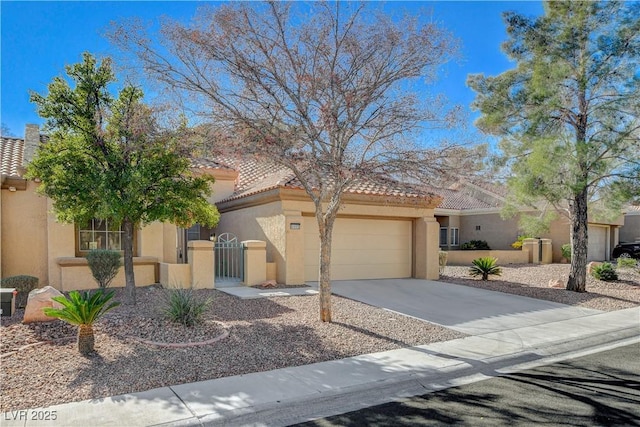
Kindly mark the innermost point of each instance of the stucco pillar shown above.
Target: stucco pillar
(547, 251)
(293, 273)
(531, 246)
(201, 264)
(427, 245)
(255, 262)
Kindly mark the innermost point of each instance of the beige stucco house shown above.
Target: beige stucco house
(630, 231)
(471, 211)
(384, 230)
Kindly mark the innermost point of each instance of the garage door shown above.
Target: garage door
(597, 250)
(361, 249)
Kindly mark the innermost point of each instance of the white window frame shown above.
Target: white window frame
(446, 236)
(454, 236)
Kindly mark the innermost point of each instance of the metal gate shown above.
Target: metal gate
(229, 259)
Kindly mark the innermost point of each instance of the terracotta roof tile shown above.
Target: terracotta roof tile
(456, 199)
(258, 176)
(12, 153)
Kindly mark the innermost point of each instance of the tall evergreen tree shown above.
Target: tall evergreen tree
(568, 113)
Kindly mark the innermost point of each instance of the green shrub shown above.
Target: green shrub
(23, 284)
(626, 262)
(605, 272)
(442, 261)
(184, 307)
(475, 245)
(485, 267)
(566, 251)
(104, 265)
(83, 309)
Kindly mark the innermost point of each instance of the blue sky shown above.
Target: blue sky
(39, 38)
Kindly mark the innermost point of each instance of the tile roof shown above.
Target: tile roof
(202, 163)
(259, 176)
(456, 199)
(12, 152)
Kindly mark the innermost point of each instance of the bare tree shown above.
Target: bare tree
(328, 94)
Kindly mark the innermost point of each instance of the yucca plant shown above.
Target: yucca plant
(83, 309)
(485, 267)
(183, 306)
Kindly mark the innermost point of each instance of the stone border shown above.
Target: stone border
(223, 335)
(35, 344)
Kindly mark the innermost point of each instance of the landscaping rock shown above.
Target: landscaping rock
(269, 284)
(591, 265)
(556, 283)
(38, 300)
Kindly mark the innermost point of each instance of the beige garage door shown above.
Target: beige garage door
(597, 249)
(361, 249)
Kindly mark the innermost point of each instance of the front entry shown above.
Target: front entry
(228, 259)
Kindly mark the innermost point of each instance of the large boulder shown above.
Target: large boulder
(38, 300)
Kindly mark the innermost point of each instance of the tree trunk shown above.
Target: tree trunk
(86, 339)
(130, 282)
(326, 230)
(579, 243)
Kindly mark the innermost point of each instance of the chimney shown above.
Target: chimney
(31, 143)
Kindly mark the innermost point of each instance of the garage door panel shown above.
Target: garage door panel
(597, 245)
(362, 249)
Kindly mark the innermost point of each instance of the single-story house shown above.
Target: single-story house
(384, 230)
(471, 211)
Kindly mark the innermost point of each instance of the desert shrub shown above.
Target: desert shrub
(184, 307)
(442, 261)
(519, 241)
(566, 251)
(485, 267)
(626, 262)
(23, 284)
(104, 265)
(475, 245)
(605, 272)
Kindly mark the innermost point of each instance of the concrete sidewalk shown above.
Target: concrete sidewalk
(291, 395)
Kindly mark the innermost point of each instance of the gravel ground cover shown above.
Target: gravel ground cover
(533, 281)
(41, 366)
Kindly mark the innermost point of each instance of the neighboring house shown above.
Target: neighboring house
(630, 231)
(471, 211)
(384, 230)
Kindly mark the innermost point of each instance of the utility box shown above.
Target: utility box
(7, 301)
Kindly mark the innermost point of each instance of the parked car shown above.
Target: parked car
(626, 250)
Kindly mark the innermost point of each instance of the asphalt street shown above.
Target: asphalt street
(601, 389)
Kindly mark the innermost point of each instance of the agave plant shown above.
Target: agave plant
(484, 267)
(83, 309)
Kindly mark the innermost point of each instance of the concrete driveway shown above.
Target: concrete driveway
(469, 310)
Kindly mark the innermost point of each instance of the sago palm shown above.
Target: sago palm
(484, 267)
(83, 309)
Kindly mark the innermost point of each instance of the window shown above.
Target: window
(454, 236)
(443, 236)
(193, 233)
(99, 234)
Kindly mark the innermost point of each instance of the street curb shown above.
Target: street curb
(331, 402)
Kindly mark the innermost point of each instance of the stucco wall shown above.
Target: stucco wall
(499, 233)
(24, 233)
(630, 231)
(222, 188)
(263, 222)
(504, 257)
